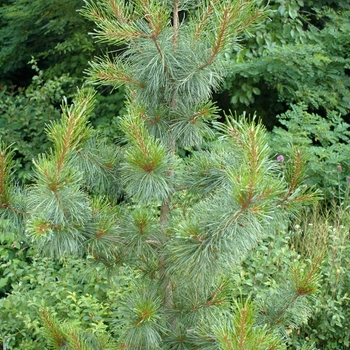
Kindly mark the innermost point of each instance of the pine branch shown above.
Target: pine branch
(176, 23)
(251, 144)
(296, 174)
(250, 337)
(103, 231)
(203, 19)
(141, 317)
(140, 236)
(297, 193)
(57, 206)
(243, 324)
(115, 21)
(52, 331)
(104, 71)
(233, 18)
(6, 166)
(191, 128)
(10, 196)
(242, 333)
(68, 134)
(220, 41)
(145, 172)
(120, 11)
(288, 306)
(66, 335)
(98, 161)
(157, 16)
(306, 279)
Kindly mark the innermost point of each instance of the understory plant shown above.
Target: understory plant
(326, 230)
(44, 288)
(181, 198)
(325, 143)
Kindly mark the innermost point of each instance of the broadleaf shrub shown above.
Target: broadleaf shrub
(324, 140)
(300, 54)
(62, 289)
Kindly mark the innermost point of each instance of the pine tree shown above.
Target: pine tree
(182, 197)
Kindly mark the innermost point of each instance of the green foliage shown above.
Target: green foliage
(327, 231)
(188, 79)
(109, 106)
(55, 290)
(24, 114)
(146, 163)
(299, 73)
(69, 336)
(184, 223)
(320, 236)
(141, 318)
(51, 31)
(324, 140)
(300, 55)
(187, 247)
(13, 259)
(342, 4)
(277, 275)
(50, 35)
(240, 331)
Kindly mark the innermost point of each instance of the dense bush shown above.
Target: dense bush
(326, 142)
(323, 235)
(46, 48)
(327, 231)
(25, 112)
(300, 54)
(52, 31)
(67, 290)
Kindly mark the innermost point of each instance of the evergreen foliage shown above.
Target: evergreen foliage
(186, 223)
(45, 49)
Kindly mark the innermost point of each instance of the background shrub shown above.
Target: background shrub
(325, 140)
(67, 289)
(327, 230)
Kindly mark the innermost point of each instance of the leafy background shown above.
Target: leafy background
(293, 72)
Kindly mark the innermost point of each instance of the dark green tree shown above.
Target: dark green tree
(51, 31)
(181, 198)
